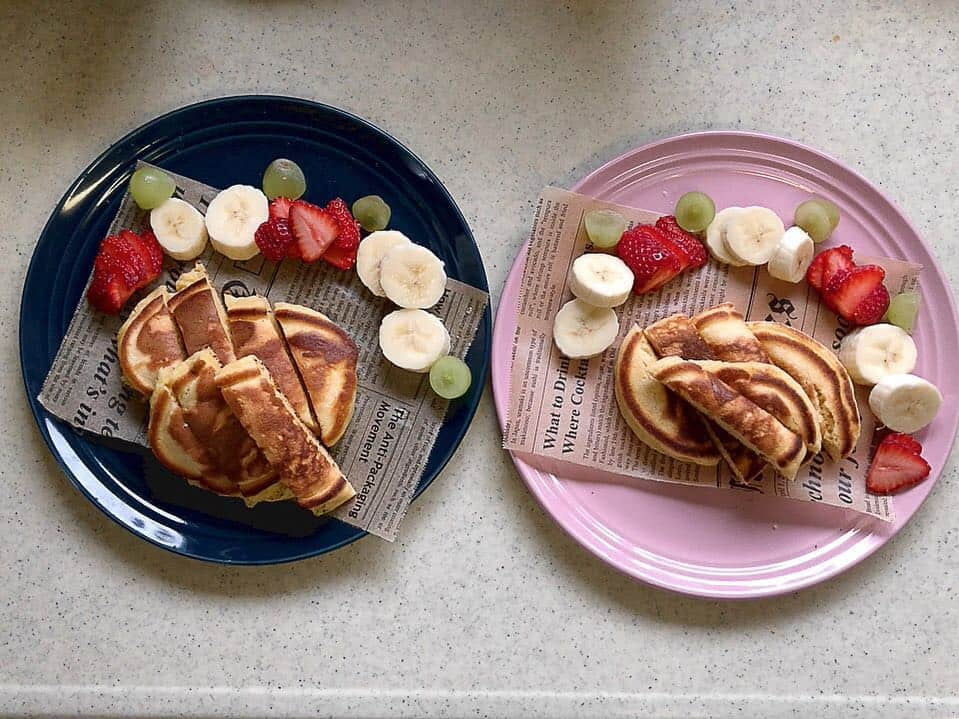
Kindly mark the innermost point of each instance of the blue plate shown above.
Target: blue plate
(224, 142)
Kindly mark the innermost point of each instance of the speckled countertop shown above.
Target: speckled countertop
(483, 606)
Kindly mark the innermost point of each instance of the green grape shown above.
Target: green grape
(450, 377)
(150, 187)
(818, 218)
(903, 310)
(604, 228)
(694, 211)
(372, 213)
(832, 211)
(283, 178)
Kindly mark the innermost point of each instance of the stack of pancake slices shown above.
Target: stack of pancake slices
(244, 399)
(753, 394)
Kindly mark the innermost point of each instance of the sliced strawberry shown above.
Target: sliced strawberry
(828, 263)
(121, 255)
(872, 308)
(149, 241)
(895, 467)
(148, 248)
(280, 207)
(293, 251)
(898, 438)
(850, 289)
(107, 292)
(690, 245)
(124, 263)
(342, 253)
(313, 228)
(653, 259)
(340, 257)
(274, 239)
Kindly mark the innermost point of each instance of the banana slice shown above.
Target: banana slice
(370, 253)
(233, 218)
(581, 330)
(873, 352)
(793, 256)
(716, 236)
(601, 280)
(413, 339)
(412, 276)
(904, 402)
(753, 235)
(179, 228)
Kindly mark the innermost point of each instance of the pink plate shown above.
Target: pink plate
(714, 543)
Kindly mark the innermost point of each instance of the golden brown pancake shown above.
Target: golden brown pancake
(658, 417)
(148, 341)
(743, 419)
(264, 411)
(209, 417)
(255, 332)
(199, 314)
(325, 356)
(776, 392)
(725, 332)
(677, 336)
(824, 380)
(177, 447)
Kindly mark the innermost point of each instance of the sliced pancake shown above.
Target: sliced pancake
(326, 357)
(743, 419)
(657, 417)
(746, 465)
(148, 341)
(255, 332)
(776, 392)
(725, 332)
(823, 378)
(209, 417)
(677, 336)
(264, 411)
(177, 447)
(199, 315)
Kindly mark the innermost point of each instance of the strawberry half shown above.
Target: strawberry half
(857, 294)
(124, 263)
(274, 239)
(872, 308)
(688, 244)
(313, 228)
(108, 292)
(895, 467)
(827, 264)
(898, 438)
(653, 259)
(342, 253)
(147, 247)
(280, 208)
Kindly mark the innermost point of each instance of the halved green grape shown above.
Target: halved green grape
(283, 178)
(694, 211)
(372, 213)
(604, 228)
(150, 187)
(903, 310)
(450, 377)
(818, 218)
